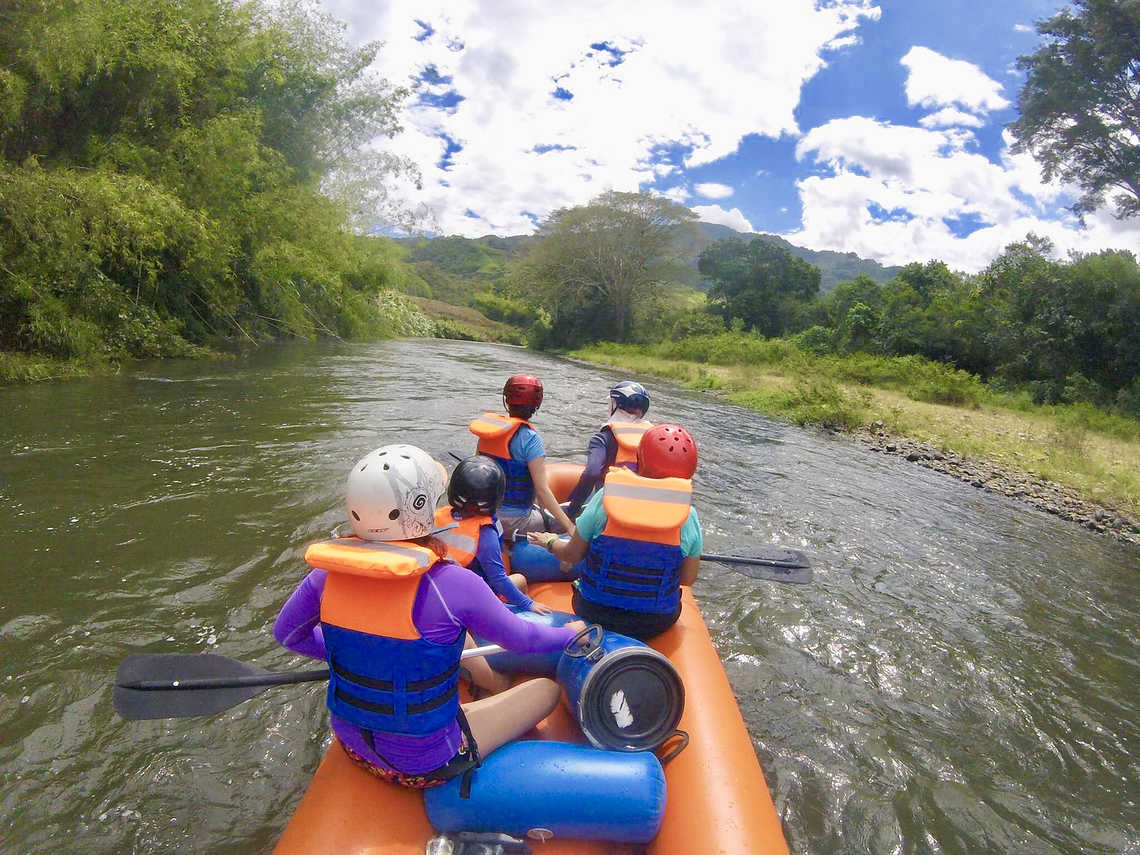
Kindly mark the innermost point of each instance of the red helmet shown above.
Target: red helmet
(523, 390)
(667, 451)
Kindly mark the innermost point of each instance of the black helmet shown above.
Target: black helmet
(477, 486)
(631, 397)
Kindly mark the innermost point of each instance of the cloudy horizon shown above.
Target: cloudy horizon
(866, 126)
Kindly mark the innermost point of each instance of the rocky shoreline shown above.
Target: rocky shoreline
(1047, 496)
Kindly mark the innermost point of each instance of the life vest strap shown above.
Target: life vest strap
(389, 709)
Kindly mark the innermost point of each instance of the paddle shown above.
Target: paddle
(181, 685)
(772, 563)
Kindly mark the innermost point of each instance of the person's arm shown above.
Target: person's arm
(546, 499)
(599, 455)
(689, 568)
(478, 610)
(570, 551)
(298, 626)
(692, 544)
(489, 553)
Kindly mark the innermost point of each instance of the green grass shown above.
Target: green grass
(1094, 452)
(21, 368)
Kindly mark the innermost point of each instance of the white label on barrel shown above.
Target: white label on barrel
(622, 716)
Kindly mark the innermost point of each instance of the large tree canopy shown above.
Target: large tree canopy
(1080, 106)
(596, 263)
(759, 283)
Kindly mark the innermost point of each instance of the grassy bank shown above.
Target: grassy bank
(1095, 453)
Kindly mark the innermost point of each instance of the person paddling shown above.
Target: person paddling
(517, 447)
(391, 617)
(615, 443)
(640, 538)
(474, 494)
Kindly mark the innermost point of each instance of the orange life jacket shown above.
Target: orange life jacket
(462, 540)
(628, 436)
(383, 676)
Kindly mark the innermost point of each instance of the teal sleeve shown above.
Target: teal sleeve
(592, 520)
(692, 541)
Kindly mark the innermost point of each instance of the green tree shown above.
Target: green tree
(166, 169)
(759, 282)
(595, 263)
(1080, 106)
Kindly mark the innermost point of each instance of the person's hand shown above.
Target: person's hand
(539, 538)
(539, 609)
(576, 625)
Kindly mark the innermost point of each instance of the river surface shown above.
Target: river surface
(962, 676)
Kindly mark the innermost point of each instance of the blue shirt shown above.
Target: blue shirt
(525, 446)
(592, 521)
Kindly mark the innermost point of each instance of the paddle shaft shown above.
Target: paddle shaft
(755, 562)
(250, 680)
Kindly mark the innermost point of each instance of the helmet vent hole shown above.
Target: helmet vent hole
(395, 514)
(365, 466)
(356, 516)
(386, 467)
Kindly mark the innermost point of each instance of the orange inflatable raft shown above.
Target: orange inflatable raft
(718, 801)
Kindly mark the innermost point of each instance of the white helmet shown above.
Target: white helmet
(392, 494)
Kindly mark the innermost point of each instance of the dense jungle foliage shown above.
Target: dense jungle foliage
(175, 172)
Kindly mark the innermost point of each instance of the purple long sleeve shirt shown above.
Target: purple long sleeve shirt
(449, 600)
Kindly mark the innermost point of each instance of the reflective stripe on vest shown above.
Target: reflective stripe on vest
(628, 436)
(383, 676)
(495, 433)
(462, 541)
(635, 563)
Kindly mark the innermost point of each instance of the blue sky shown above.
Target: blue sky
(872, 126)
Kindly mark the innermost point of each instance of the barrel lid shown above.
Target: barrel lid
(631, 700)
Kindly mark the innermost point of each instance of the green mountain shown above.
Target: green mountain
(835, 267)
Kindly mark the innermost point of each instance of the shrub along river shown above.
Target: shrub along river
(961, 676)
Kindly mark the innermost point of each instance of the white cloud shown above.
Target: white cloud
(935, 81)
(895, 193)
(685, 87)
(714, 191)
(1024, 28)
(679, 194)
(949, 117)
(734, 219)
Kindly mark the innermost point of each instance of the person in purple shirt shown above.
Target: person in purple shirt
(391, 499)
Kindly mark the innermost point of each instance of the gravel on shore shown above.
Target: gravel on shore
(1047, 496)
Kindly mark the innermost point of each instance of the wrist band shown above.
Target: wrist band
(550, 545)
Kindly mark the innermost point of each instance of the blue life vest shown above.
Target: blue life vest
(635, 563)
(495, 433)
(384, 676)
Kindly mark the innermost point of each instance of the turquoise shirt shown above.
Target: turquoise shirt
(592, 521)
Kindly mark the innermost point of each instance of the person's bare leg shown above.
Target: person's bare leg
(482, 674)
(519, 581)
(497, 720)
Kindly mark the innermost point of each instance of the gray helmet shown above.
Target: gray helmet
(631, 397)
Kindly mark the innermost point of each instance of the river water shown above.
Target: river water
(961, 676)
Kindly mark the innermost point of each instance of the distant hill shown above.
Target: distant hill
(834, 267)
(482, 258)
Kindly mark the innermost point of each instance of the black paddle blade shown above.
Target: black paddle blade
(179, 698)
(451, 457)
(771, 563)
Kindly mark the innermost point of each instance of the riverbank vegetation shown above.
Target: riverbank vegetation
(1092, 450)
(175, 173)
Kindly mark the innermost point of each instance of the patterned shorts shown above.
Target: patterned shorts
(457, 765)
